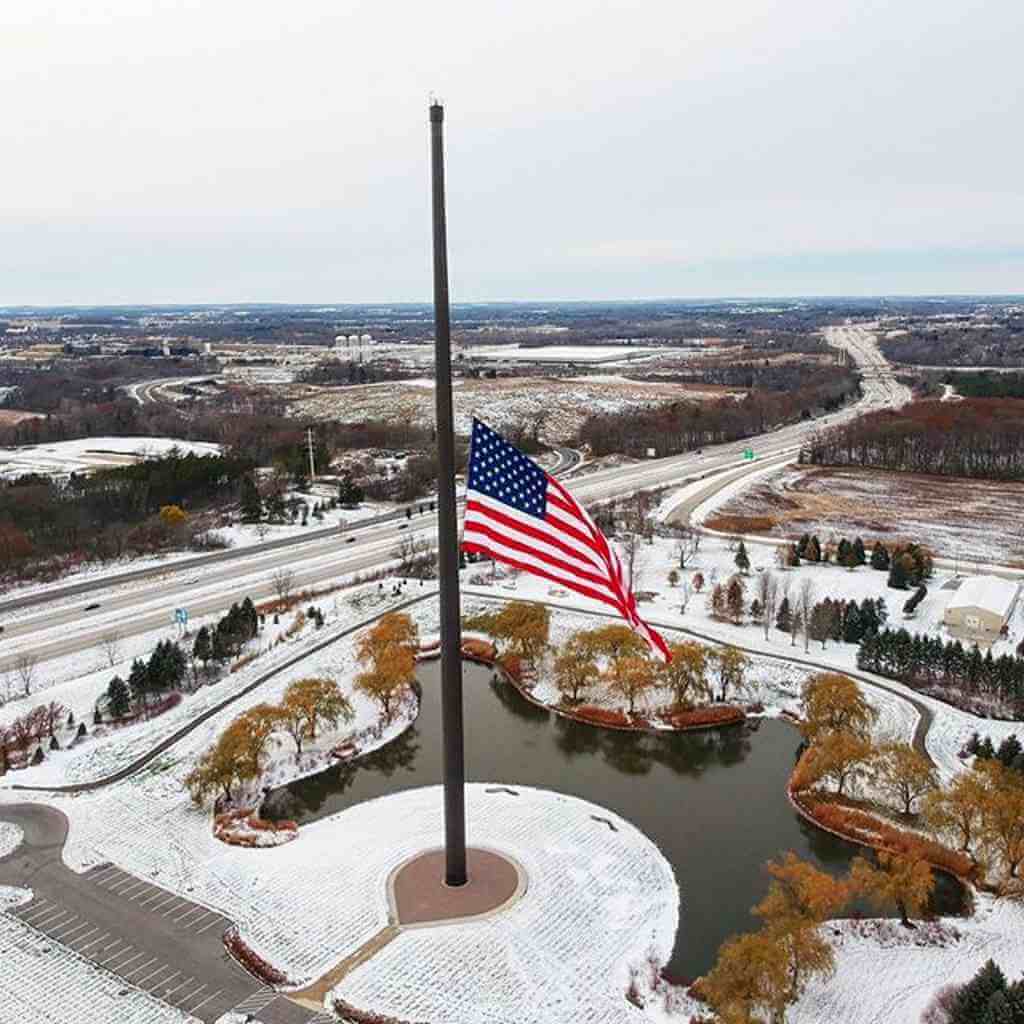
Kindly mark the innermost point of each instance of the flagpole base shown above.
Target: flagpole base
(419, 896)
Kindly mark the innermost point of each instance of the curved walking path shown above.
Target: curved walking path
(165, 744)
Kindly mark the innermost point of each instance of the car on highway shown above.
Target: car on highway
(350, 540)
(92, 607)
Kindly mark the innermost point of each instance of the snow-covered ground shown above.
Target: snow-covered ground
(11, 836)
(43, 982)
(60, 458)
(598, 901)
(969, 520)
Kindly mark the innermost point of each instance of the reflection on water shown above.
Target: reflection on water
(714, 802)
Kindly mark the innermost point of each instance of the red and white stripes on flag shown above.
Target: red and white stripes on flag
(519, 515)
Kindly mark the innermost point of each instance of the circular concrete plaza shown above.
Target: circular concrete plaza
(569, 897)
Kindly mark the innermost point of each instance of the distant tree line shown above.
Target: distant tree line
(987, 385)
(999, 343)
(677, 427)
(980, 438)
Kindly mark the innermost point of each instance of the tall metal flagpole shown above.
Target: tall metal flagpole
(447, 532)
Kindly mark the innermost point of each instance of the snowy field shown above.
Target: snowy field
(564, 404)
(973, 520)
(594, 355)
(63, 457)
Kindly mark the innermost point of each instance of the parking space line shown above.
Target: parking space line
(130, 888)
(37, 910)
(103, 872)
(130, 885)
(124, 963)
(192, 909)
(193, 1009)
(151, 960)
(156, 894)
(163, 903)
(167, 981)
(83, 937)
(191, 995)
(174, 910)
(66, 936)
(95, 942)
(170, 992)
(152, 974)
(116, 877)
(51, 921)
(147, 892)
(207, 927)
(51, 914)
(120, 942)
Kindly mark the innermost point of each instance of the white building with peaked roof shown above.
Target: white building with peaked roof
(981, 607)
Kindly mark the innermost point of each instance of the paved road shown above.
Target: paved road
(150, 938)
(63, 627)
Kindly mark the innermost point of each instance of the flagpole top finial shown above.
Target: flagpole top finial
(436, 109)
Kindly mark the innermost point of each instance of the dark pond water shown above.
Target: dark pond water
(714, 802)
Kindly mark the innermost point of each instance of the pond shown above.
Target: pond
(714, 801)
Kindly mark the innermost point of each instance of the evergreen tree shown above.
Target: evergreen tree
(350, 494)
(853, 630)
(843, 552)
(880, 557)
(859, 554)
(1009, 750)
(118, 698)
(251, 618)
(251, 503)
(972, 1000)
(742, 558)
(813, 553)
(801, 545)
(202, 649)
(986, 751)
(138, 681)
(899, 577)
(784, 617)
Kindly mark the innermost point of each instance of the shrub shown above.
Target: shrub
(603, 716)
(872, 831)
(702, 717)
(252, 961)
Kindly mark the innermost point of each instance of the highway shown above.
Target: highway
(57, 624)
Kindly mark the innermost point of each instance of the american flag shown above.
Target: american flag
(519, 515)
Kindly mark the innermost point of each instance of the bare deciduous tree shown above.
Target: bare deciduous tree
(767, 592)
(687, 544)
(284, 582)
(25, 669)
(111, 646)
(805, 606)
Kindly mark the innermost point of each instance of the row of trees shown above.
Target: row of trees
(980, 438)
(237, 757)
(1009, 753)
(616, 659)
(226, 639)
(963, 676)
(165, 671)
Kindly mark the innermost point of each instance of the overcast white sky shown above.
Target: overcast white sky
(244, 150)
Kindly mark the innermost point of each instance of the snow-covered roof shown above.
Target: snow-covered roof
(992, 593)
